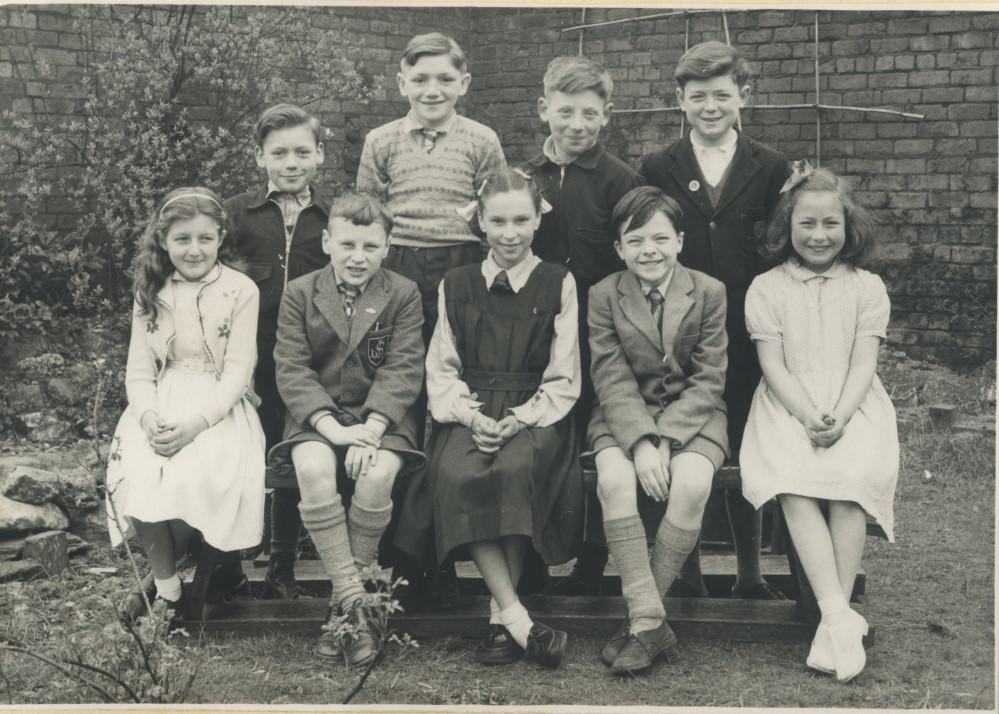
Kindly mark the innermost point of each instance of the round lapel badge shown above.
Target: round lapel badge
(694, 185)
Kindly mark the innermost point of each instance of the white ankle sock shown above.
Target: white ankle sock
(834, 609)
(168, 589)
(517, 621)
(494, 611)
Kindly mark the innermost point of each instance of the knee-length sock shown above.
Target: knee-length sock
(626, 542)
(365, 527)
(673, 545)
(327, 525)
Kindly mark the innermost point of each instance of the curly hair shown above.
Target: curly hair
(152, 264)
(860, 226)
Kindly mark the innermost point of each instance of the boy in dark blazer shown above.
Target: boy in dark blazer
(727, 186)
(657, 336)
(276, 229)
(349, 368)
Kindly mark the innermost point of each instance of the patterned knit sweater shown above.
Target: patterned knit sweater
(423, 188)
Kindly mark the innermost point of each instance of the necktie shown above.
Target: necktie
(501, 283)
(350, 294)
(430, 138)
(656, 300)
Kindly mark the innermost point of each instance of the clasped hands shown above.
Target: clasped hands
(652, 467)
(490, 435)
(166, 439)
(362, 440)
(824, 428)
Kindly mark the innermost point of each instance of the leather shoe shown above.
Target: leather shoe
(641, 649)
(545, 645)
(175, 612)
(499, 647)
(279, 581)
(360, 648)
(614, 645)
(329, 646)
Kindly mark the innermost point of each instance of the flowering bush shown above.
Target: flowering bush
(170, 95)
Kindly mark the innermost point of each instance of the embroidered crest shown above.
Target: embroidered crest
(694, 185)
(376, 350)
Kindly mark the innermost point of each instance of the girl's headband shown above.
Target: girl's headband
(468, 211)
(192, 194)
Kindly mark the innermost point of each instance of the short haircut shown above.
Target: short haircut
(708, 60)
(284, 116)
(362, 209)
(860, 227)
(434, 43)
(636, 208)
(577, 74)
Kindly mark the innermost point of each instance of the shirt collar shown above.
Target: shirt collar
(410, 123)
(517, 275)
(800, 272)
(302, 196)
(727, 147)
(209, 277)
(587, 160)
(661, 287)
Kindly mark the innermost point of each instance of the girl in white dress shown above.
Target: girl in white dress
(188, 452)
(822, 427)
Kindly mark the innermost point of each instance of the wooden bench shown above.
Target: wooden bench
(721, 618)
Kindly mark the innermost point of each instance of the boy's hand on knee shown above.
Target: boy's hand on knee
(340, 435)
(360, 459)
(649, 469)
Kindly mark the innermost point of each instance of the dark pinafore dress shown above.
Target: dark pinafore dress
(532, 486)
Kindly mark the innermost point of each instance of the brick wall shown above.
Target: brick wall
(932, 182)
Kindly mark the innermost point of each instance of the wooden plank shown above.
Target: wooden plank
(719, 571)
(709, 618)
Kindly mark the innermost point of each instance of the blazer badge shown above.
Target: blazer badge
(376, 350)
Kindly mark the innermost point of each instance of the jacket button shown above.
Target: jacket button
(712, 225)
(347, 395)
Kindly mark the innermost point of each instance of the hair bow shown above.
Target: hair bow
(800, 170)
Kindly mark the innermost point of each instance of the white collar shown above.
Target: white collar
(517, 275)
(661, 287)
(727, 146)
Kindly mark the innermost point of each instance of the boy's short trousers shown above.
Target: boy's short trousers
(698, 445)
(279, 457)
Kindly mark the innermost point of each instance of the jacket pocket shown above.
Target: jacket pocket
(754, 223)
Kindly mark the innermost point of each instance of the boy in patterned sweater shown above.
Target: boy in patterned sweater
(426, 167)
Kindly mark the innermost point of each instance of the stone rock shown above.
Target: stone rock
(42, 365)
(17, 516)
(77, 489)
(49, 549)
(10, 548)
(62, 392)
(25, 397)
(29, 485)
(46, 427)
(91, 525)
(76, 545)
(19, 570)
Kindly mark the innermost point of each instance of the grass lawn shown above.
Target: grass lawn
(931, 596)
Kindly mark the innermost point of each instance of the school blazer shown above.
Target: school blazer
(723, 241)
(372, 363)
(668, 386)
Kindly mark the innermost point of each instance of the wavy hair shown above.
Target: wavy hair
(860, 226)
(152, 264)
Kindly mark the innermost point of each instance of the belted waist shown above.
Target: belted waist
(189, 365)
(495, 381)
